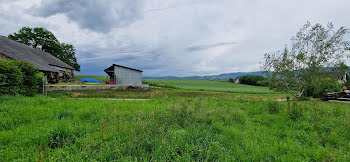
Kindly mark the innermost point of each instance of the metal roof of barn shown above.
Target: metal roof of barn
(111, 68)
(21, 52)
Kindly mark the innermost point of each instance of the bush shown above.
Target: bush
(18, 77)
(231, 80)
(11, 77)
(326, 85)
(256, 80)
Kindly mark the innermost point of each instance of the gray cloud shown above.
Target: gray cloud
(172, 37)
(207, 46)
(101, 15)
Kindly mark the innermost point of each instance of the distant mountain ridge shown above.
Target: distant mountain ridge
(224, 76)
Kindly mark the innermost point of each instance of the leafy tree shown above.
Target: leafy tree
(44, 40)
(69, 55)
(316, 53)
(231, 80)
(256, 80)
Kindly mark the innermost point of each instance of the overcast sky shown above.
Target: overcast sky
(172, 37)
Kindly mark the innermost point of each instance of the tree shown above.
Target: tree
(44, 40)
(69, 55)
(316, 53)
(231, 80)
(252, 80)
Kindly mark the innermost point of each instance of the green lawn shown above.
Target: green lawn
(207, 85)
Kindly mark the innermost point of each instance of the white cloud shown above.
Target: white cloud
(172, 37)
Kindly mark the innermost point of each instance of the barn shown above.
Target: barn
(119, 74)
(53, 68)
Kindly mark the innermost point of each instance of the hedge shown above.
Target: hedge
(19, 77)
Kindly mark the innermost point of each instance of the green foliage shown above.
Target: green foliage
(207, 85)
(18, 77)
(326, 85)
(31, 79)
(296, 113)
(11, 77)
(175, 129)
(256, 80)
(231, 80)
(316, 53)
(273, 107)
(46, 41)
(68, 56)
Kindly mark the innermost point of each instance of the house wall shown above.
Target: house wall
(127, 76)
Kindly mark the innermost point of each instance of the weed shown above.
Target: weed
(273, 107)
(296, 113)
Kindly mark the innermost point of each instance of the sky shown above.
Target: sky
(172, 37)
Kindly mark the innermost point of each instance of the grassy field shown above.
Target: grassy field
(64, 129)
(207, 85)
(163, 93)
(176, 125)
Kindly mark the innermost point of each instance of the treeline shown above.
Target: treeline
(19, 77)
(313, 90)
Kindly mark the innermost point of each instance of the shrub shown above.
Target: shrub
(326, 85)
(11, 77)
(31, 79)
(264, 82)
(18, 77)
(256, 80)
(231, 80)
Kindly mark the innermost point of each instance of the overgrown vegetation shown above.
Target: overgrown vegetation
(176, 129)
(19, 77)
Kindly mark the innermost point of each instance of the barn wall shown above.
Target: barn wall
(2, 56)
(127, 76)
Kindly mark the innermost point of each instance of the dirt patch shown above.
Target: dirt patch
(76, 94)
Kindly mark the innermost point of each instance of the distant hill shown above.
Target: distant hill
(224, 76)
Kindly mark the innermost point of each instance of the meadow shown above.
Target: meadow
(207, 85)
(175, 125)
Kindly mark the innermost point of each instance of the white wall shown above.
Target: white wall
(127, 76)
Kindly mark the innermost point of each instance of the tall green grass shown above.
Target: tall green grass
(172, 129)
(207, 85)
(161, 93)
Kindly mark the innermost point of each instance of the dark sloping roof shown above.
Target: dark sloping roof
(111, 68)
(21, 52)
